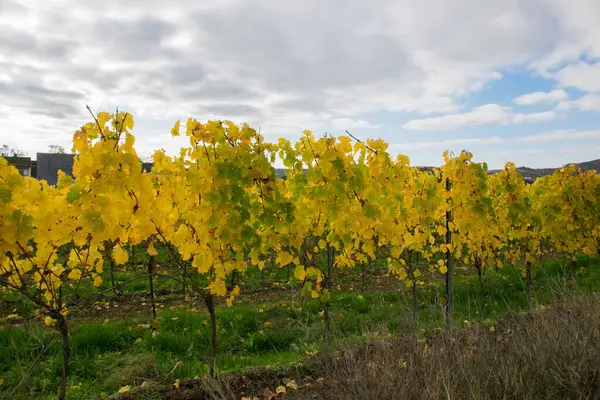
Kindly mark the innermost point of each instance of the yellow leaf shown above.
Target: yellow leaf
(129, 141)
(175, 130)
(138, 340)
(97, 281)
(125, 389)
(292, 385)
(176, 384)
(127, 121)
(280, 389)
(218, 287)
(443, 269)
(284, 258)
(103, 117)
(119, 255)
(314, 294)
(75, 274)
(530, 258)
(151, 250)
(300, 273)
(49, 321)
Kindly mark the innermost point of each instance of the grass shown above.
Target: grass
(119, 346)
(549, 354)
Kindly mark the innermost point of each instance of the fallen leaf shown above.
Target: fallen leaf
(292, 385)
(280, 389)
(125, 389)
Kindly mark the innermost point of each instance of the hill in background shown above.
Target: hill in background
(531, 174)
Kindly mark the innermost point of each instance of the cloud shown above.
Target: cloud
(530, 99)
(284, 66)
(561, 135)
(588, 102)
(582, 75)
(445, 144)
(483, 115)
(543, 116)
(349, 123)
(578, 33)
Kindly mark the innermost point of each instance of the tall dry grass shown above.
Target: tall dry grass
(551, 353)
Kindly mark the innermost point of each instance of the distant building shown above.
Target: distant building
(48, 165)
(147, 166)
(23, 164)
(280, 172)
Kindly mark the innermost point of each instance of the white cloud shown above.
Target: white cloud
(349, 123)
(577, 33)
(554, 96)
(482, 115)
(588, 102)
(561, 135)
(449, 144)
(581, 75)
(543, 116)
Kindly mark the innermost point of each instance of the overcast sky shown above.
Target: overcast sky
(508, 80)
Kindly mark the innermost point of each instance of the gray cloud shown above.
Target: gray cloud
(18, 43)
(300, 46)
(14, 8)
(221, 110)
(40, 100)
(138, 40)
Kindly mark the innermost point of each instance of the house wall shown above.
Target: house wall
(48, 165)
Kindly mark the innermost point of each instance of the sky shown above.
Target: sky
(507, 80)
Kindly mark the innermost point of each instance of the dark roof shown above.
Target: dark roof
(48, 165)
(19, 162)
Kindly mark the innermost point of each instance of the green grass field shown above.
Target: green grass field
(115, 343)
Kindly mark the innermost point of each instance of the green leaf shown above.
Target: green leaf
(307, 290)
(23, 222)
(5, 195)
(74, 194)
(325, 296)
